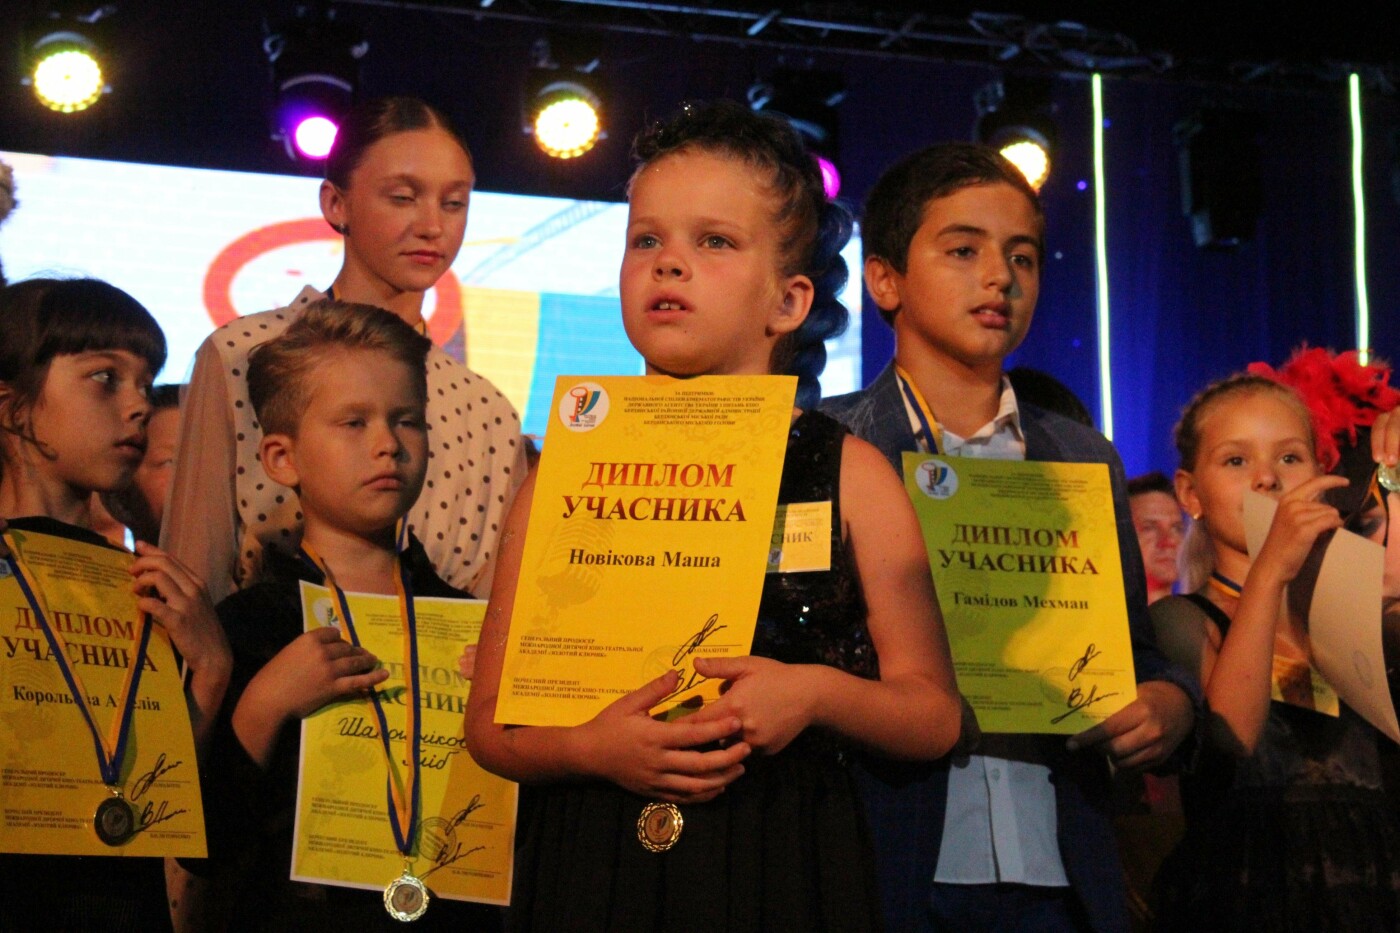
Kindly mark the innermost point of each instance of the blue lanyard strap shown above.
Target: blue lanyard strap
(112, 749)
(404, 808)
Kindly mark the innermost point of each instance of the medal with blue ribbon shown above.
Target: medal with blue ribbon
(928, 424)
(115, 820)
(406, 897)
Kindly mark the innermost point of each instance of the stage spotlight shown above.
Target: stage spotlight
(1015, 116)
(65, 71)
(563, 97)
(315, 68)
(565, 119)
(808, 100)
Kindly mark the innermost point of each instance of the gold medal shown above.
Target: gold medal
(115, 820)
(659, 826)
(406, 898)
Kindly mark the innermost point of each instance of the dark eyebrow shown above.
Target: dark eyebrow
(980, 232)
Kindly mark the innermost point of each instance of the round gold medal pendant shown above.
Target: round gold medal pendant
(115, 821)
(659, 826)
(406, 898)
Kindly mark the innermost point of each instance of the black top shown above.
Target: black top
(251, 812)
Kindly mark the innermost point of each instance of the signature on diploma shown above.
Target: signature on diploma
(440, 837)
(1078, 699)
(689, 677)
(153, 813)
(142, 784)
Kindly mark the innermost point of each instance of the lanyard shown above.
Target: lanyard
(928, 423)
(110, 748)
(1225, 585)
(403, 800)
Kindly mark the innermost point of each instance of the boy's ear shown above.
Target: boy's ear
(794, 307)
(278, 455)
(332, 205)
(883, 283)
(1186, 494)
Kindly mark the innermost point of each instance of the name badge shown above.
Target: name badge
(801, 538)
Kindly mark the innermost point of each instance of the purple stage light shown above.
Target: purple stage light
(314, 136)
(831, 178)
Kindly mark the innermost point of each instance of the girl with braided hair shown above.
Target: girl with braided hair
(731, 267)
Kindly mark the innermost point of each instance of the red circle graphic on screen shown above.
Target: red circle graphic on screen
(218, 281)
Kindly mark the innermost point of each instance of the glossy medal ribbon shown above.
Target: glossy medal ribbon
(933, 434)
(406, 897)
(115, 820)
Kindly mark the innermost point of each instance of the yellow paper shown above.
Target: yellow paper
(1297, 683)
(465, 847)
(801, 538)
(1025, 557)
(50, 783)
(649, 533)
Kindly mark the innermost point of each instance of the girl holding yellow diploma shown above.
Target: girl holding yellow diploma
(1288, 827)
(76, 363)
(742, 815)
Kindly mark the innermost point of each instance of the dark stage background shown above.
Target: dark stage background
(191, 87)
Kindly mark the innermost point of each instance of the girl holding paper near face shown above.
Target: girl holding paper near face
(732, 267)
(1288, 827)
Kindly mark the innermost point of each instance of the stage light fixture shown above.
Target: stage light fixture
(315, 70)
(1015, 114)
(64, 67)
(1222, 193)
(563, 98)
(808, 99)
(565, 119)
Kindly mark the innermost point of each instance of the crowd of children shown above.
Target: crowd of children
(839, 782)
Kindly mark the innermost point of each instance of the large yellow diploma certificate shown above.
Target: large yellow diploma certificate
(51, 783)
(1026, 560)
(648, 542)
(464, 844)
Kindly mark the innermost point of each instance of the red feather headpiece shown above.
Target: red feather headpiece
(1341, 393)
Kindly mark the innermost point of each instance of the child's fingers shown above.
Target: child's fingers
(699, 764)
(1385, 439)
(645, 697)
(1315, 487)
(687, 734)
(153, 559)
(358, 661)
(687, 789)
(360, 683)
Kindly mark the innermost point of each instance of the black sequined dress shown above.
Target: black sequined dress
(785, 847)
(1298, 837)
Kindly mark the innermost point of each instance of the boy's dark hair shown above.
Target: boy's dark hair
(165, 396)
(814, 229)
(371, 120)
(894, 208)
(280, 371)
(1156, 481)
(1044, 390)
(44, 318)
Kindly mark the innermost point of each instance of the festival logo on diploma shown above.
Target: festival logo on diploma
(583, 407)
(937, 479)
